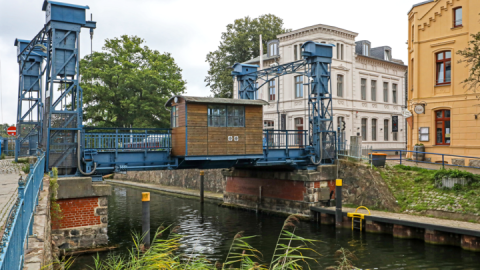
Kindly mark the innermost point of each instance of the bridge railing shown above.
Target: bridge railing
(19, 223)
(127, 139)
(285, 139)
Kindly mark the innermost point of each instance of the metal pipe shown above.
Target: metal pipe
(78, 158)
(146, 219)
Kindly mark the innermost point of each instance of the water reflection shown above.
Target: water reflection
(209, 231)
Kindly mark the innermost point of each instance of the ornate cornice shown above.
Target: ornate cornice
(315, 29)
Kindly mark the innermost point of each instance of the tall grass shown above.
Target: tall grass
(163, 254)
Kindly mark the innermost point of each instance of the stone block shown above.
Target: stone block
(103, 201)
(86, 243)
(81, 187)
(101, 211)
(104, 219)
(458, 161)
(74, 232)
(474, 163)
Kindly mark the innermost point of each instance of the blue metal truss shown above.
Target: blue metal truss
(316, 66)
(30, 57)
(63, 98)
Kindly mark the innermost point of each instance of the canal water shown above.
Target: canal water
(210, 232)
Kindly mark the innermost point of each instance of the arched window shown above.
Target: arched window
(444, 67)
(442, 127)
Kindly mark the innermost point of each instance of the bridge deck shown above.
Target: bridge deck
(8, 188)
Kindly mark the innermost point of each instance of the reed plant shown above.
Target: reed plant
(163, 254)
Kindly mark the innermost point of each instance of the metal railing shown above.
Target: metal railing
(127, 139)
(354, 151)
(285, 139)
(19, 224)
(419, 156)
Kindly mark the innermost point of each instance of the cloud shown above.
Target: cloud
(189, 29)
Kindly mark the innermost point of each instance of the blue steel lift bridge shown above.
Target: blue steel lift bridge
(50, 109)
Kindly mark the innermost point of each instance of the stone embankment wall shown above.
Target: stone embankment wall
(190, 179)
(39, 251)
(290, 192)
(364, 186)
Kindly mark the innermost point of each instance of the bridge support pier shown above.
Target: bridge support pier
(288, 192)
(82, 220)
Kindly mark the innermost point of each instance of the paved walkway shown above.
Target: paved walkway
(9, 174)
(171, 189)
(428, 165)
(417, 219)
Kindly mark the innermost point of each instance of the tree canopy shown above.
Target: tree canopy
(127, 84)
(238, 44)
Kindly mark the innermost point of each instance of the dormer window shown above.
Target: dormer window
(388, 55)
(366, 49)
(273, 48)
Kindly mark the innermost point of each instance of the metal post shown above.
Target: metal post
(443, 161)
(202, 180)
(338, 202)
(146, 219)
(400, 157)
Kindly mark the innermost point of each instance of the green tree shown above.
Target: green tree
(238, 44)
(471, 57)
(127, 84)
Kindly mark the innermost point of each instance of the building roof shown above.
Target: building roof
(45, 4)
(211, 100)
(257, 59)
(421, 3)
(394, 61)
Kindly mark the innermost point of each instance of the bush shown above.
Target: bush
(26, 168)
(2, 156)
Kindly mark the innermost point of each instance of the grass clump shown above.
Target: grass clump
(163, 254)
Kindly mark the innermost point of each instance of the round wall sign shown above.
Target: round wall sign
(175, 99)
(419, 109)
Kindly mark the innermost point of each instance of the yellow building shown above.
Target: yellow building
(444, 112)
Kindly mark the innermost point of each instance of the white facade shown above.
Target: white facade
(290, 104)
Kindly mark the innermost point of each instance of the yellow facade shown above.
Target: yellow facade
(432, 30)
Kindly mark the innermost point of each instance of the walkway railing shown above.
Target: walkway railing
(284, 139)
(418, 157)
(123, 139)
(19, 224)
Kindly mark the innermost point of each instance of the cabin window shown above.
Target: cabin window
(217, 115)
(444, 67)
(235, 116)
(223, 116)
(174, 117)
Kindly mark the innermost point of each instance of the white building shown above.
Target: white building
(368, 86)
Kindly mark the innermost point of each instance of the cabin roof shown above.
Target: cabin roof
(211, 100)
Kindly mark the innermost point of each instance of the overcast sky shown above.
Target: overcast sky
(189, 29)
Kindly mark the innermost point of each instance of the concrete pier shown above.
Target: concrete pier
(83, 220)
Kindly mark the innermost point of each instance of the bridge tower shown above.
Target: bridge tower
(63, 95)
(30, 103)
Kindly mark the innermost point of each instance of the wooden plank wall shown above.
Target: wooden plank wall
(197, 133)
(254, 130)
(178, 133)
(213, 141)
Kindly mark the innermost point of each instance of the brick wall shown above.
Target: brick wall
(77, 212)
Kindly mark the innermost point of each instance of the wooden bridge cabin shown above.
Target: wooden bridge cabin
(203, 127)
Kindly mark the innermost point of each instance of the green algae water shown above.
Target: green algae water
(209, 231)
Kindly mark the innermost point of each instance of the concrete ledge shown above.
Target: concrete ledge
(81, 187)
(323, 173)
